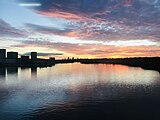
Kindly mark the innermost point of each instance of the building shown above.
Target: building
(24, 57)
(2, 53)
(33, 55)
(12, 55)
(52, 58)
(12, 58)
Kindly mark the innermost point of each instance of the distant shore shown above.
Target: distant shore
(150, 63)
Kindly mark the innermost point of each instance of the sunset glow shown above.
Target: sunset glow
(108, 28)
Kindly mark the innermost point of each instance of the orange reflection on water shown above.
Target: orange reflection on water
(75, 76)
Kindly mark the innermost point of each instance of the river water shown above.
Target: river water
(79, 91)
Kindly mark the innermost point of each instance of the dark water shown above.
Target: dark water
(78, 91)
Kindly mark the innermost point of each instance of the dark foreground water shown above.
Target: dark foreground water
(79, 91)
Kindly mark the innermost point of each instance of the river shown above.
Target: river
(79, 91)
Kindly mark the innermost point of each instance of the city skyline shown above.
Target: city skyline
(83, 29)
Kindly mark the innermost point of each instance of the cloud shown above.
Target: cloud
(96, 50)
(44, 54)
(29, 4)
(132, 11)
(48, 29)
(133, 24)
(102, 32)
(102, 19)
(6, 30)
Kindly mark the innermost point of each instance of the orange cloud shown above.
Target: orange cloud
(64, 15)
(96, 50)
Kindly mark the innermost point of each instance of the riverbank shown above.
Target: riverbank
(150, 63)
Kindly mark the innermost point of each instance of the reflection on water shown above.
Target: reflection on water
(34, 72)
(70, 90)
(2, 72)
(12, 70)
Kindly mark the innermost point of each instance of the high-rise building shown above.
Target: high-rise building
(33, 55)
(12, 55)
(2, 53)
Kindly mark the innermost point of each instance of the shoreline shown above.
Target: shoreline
(149, 63)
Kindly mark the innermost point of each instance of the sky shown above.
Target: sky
(81, 28)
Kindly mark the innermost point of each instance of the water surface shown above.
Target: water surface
(79, 91)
